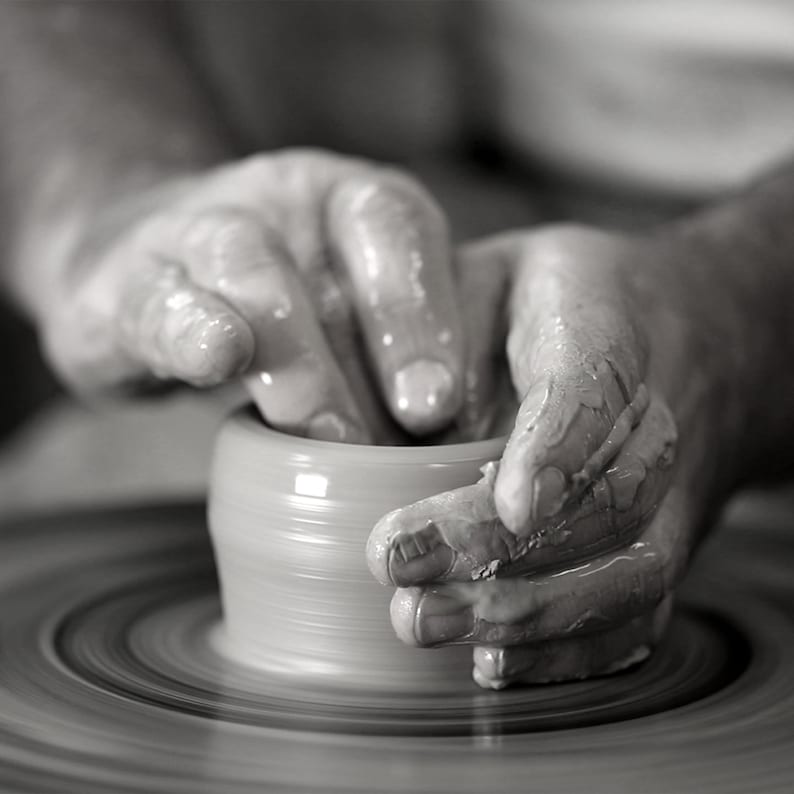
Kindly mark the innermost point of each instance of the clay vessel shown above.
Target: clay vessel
(289, 519)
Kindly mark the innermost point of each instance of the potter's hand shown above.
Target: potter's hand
(265, 267)
(559, 562)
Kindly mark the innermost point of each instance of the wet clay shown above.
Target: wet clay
(290, 518)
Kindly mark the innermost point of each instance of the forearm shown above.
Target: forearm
(739, 271)
(97, 104)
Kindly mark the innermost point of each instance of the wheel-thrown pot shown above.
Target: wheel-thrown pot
(289, 519)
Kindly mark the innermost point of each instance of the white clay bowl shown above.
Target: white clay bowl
(289, 519)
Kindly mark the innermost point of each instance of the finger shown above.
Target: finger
(176, 329)
(334, 311)
(577, 362)
(391, 240)
(588, 597)
(293, 376)
(458, 536)
(483, 281)
(453, 535)
(572, 658)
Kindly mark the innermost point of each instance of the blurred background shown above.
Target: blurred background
(614, 112)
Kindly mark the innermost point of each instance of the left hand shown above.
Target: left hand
(282, 268)
(561, 561)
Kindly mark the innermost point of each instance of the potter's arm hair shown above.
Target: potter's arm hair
(97, 100)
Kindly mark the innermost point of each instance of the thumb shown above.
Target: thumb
(577, 362)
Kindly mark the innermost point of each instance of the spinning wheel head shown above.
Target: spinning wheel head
(116, 678)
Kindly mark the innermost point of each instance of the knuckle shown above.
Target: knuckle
(256, 167)
(298, 171)
(279, 170)
(332, 304)
(383, 192)
(562, 242)
(267, 291)
(624, 480)
(308, 158)
(222, 234)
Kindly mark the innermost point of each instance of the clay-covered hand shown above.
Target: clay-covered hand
(560, 563)
(267, 267)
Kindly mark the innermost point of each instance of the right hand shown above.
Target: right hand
(266, 268)
(562, 561)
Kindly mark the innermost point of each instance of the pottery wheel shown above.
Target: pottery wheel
(113, 679)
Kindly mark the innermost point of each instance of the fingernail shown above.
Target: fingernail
(488, 683)
(329, 426)
(228, 347)
(423, 394)
(548, 492)
(441, 619)
(419, 557)
(513, 499)
(214, 350)
(490, 662)
(402, 611)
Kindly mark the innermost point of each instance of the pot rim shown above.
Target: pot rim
(247, 421)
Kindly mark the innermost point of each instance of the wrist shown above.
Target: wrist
(736, 289)
(58, 239)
